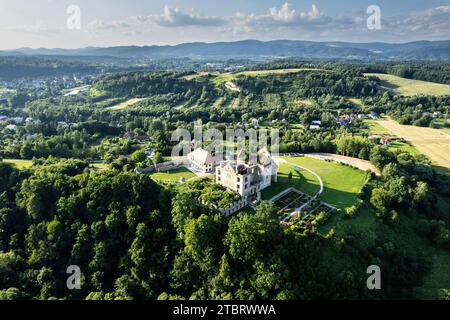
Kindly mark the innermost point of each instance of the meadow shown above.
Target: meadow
(409, 87)
(434, 143)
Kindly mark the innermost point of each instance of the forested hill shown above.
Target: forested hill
(426, 50)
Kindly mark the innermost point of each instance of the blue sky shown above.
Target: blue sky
(43, 23)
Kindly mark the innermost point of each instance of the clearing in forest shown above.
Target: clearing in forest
(126, 104)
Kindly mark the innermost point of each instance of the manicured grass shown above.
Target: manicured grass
(173, 175)
(20, 164)
(341, 183)
(307, 182)
(408, 87)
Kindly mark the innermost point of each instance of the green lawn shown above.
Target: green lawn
(20, 164)
(341, 183)
(307, 182)
(173, 175)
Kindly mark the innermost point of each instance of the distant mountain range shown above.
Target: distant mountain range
(423, 50)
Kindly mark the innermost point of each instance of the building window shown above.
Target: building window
(238, 179)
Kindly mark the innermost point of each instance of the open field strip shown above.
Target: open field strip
(433, 143)
(409, 87)
(126, 104)
(223, 78)
(20, 164)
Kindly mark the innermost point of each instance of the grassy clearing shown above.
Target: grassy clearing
(222, 78)
(173, 175)
(408, 87)
(375, 128)
(433, 143)
(20, 164)
(126, 104)
(356, 102)
(100, 166)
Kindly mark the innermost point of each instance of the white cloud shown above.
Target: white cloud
(178, 18)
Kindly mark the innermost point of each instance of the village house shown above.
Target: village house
(385, 141)
(202, 161)
(248, 178)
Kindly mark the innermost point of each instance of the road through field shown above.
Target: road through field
(433, 143)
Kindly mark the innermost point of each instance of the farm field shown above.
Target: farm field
(409, 87)
(173, 175)
(126, 104)
(433, 143)
(20, 164)
(341, 183)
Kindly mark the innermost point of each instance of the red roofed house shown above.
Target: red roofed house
(201, 160)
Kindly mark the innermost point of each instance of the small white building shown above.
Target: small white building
(314, 127)
(202, 161)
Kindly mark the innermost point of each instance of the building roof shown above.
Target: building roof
(202, 157)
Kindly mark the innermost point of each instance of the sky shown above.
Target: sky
(102, 23)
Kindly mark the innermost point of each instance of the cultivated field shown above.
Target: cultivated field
(433, 143)
(408, 87)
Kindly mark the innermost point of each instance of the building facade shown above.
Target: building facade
(202, 161)
(248, 178)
